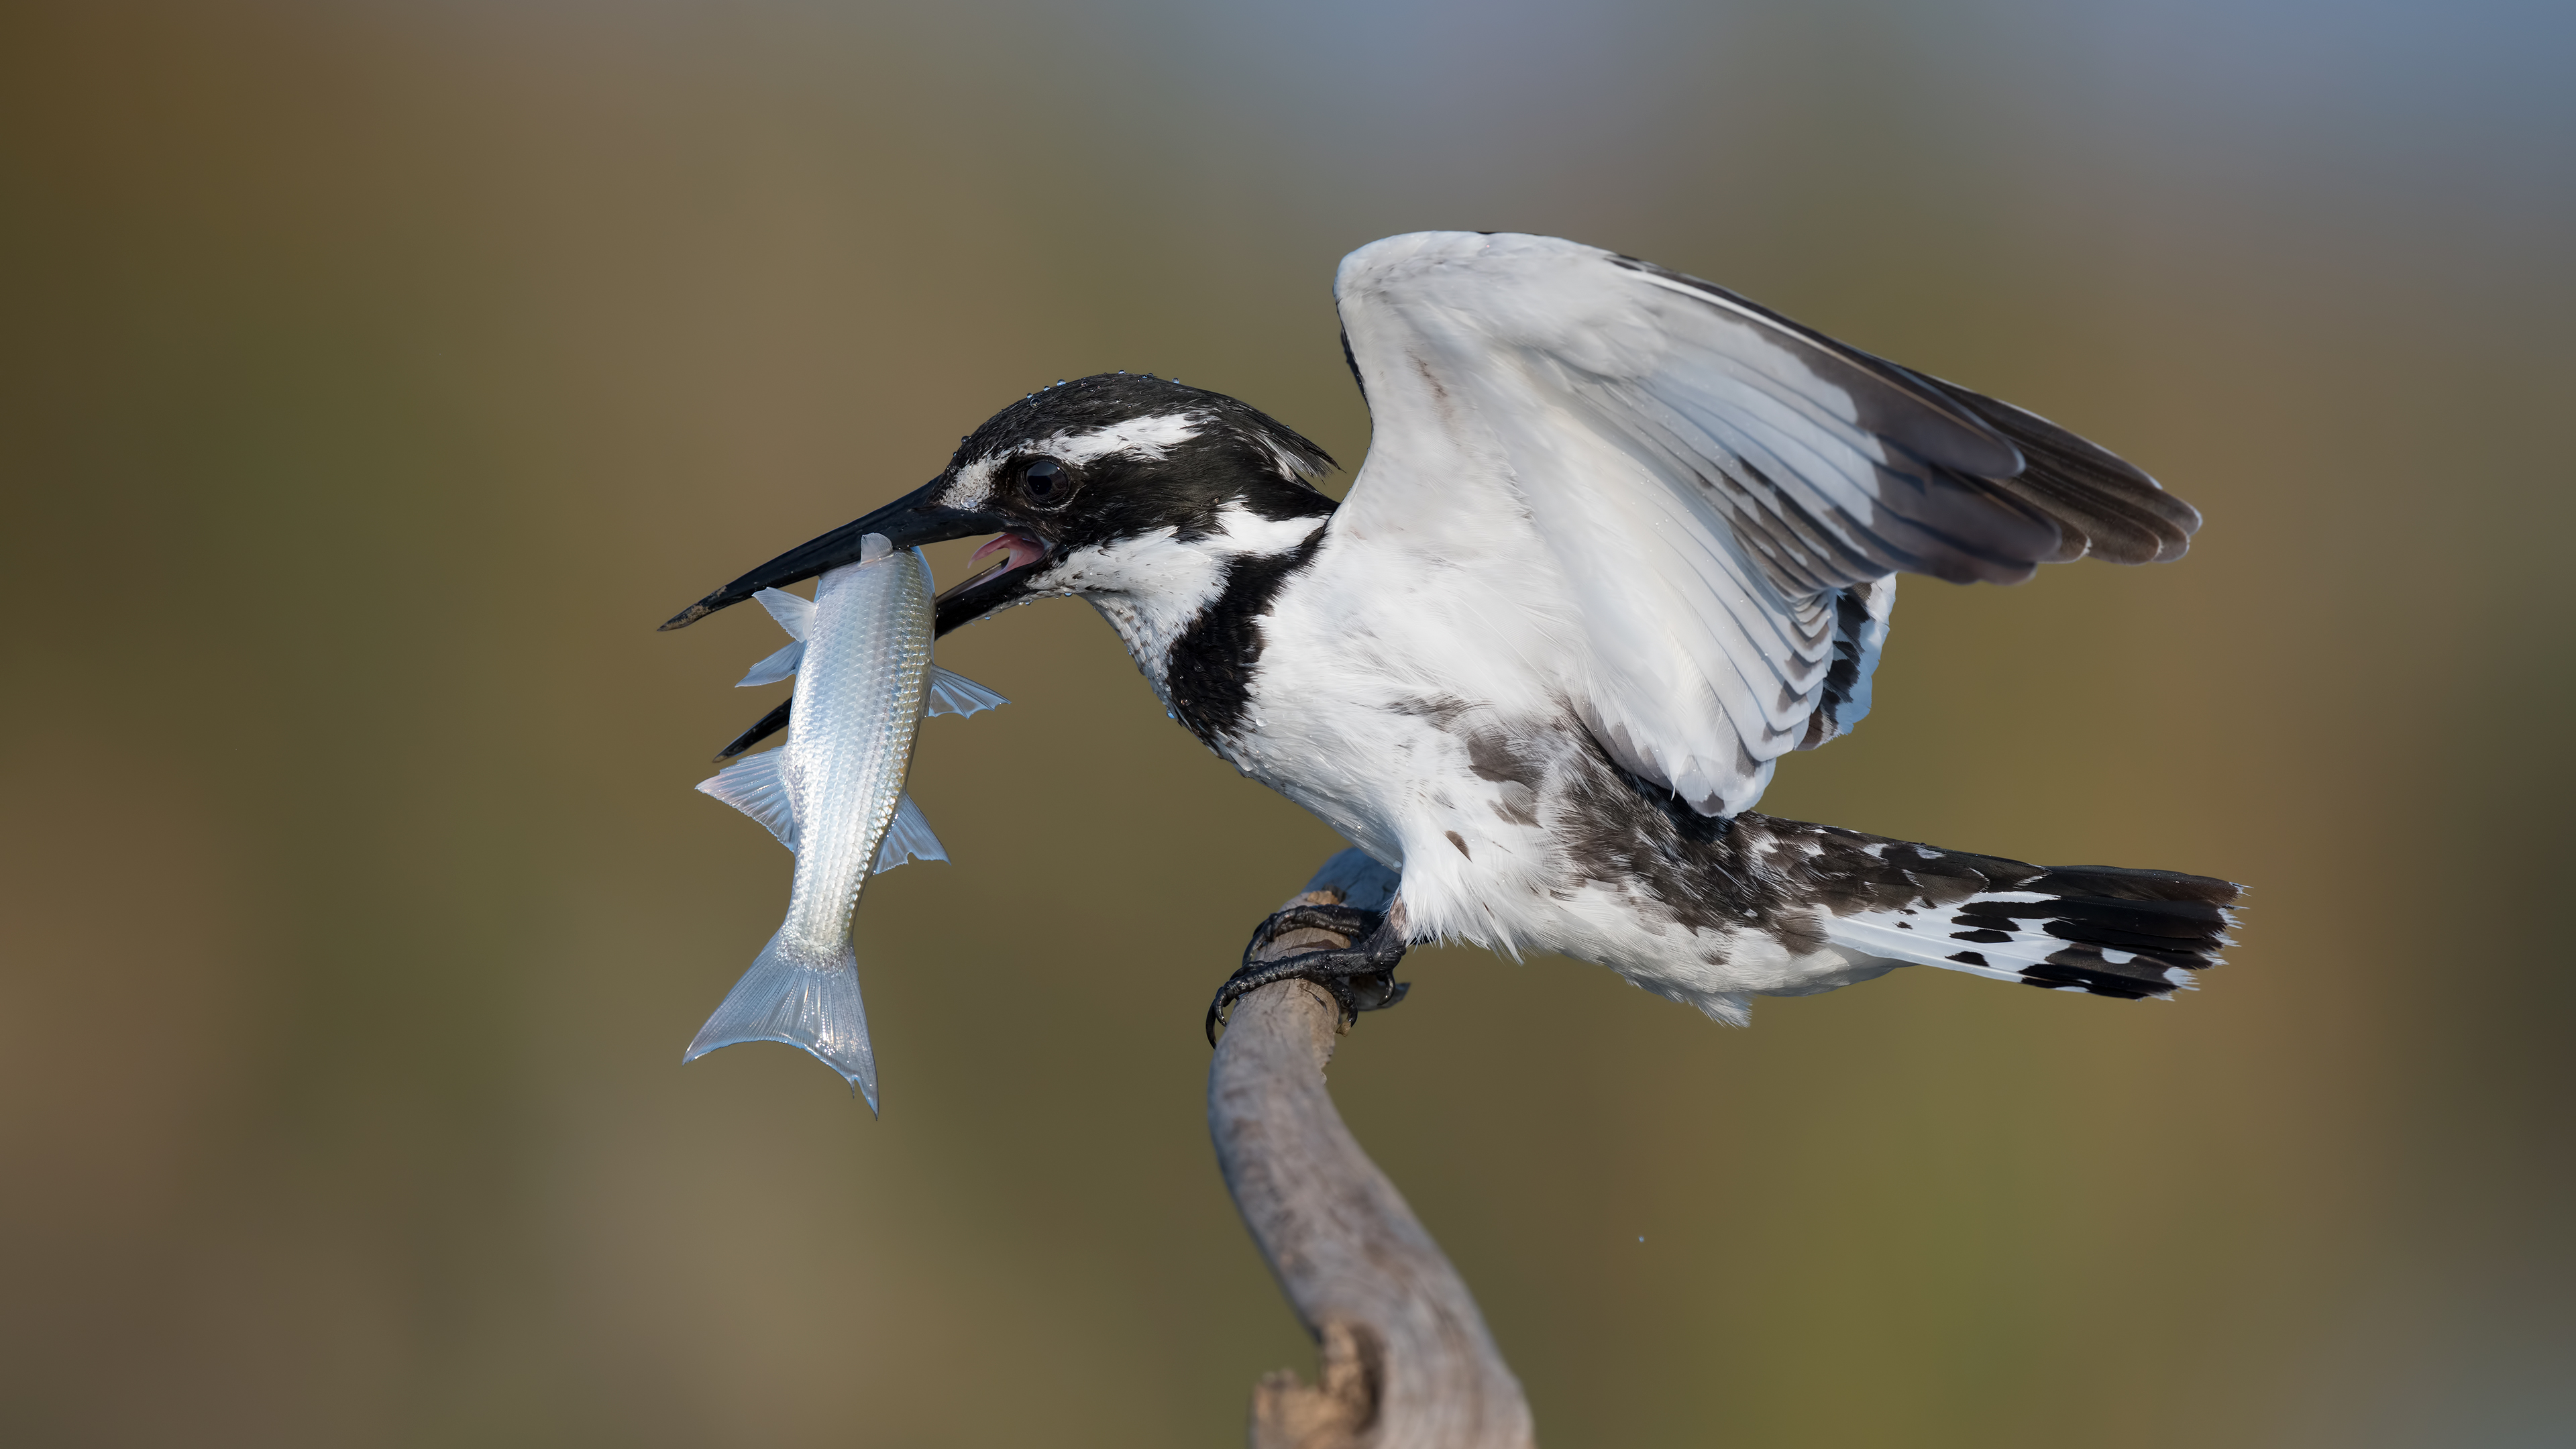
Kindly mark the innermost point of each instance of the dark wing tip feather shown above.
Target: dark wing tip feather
(1896, 402)
(2122, 514)
(1962, 535)
(2027, 491)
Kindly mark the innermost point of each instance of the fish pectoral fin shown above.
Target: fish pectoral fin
(755, 787)
(792, 611)
(956, 694)
(909, 838)
(778, 666)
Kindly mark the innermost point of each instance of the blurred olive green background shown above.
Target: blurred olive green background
(375, 376)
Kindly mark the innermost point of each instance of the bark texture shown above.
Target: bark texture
(1405, 1361)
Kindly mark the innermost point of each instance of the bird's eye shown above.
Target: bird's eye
(1046, 481)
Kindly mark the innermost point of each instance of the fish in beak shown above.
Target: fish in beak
(925, 515)
(961, 603)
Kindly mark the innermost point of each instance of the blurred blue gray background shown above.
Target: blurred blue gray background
(375, 376)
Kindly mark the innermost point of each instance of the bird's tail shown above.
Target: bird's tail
(802, 1005)
(2101, 929)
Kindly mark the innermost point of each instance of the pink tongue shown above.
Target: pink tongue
(1022, 550)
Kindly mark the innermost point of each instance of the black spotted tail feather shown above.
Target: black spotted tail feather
(2100, 929)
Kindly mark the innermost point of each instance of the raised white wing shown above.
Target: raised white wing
(1724, 493)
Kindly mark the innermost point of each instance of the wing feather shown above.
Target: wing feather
(1724, 493)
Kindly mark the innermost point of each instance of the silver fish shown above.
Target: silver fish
(834, 795)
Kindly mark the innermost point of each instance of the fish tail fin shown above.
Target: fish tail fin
(800, 1005)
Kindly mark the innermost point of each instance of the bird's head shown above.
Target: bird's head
(1102, 485)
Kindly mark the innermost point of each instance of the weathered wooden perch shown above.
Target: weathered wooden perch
(1405, 1361)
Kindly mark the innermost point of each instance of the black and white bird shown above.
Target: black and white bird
(1622, 540)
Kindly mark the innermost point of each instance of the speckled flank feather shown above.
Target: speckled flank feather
(1521, 833)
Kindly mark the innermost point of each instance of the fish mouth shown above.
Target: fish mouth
(997, 586)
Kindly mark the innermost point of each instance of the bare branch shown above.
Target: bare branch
(1405, 1360)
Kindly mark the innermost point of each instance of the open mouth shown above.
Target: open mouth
(1018, 551)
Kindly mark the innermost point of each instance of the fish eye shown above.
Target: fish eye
(1046, 482)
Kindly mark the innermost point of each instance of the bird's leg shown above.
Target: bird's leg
(1360, 976)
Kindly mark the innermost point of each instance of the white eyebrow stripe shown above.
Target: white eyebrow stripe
(1150, 438)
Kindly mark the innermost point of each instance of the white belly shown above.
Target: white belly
(1481, 802)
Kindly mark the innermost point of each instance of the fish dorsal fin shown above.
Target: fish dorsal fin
(909, 838)
(755, 787)
(956, 694)
(792, 611)
(778, 666)
(874, 546)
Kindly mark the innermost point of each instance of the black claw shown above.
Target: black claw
(1360, 977)
(1348, 922)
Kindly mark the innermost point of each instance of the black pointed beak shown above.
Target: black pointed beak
(914, 519)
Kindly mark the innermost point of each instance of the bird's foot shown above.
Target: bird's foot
(1360, 976)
